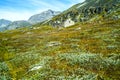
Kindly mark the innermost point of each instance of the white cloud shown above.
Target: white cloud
(56, 5)
(16, 14)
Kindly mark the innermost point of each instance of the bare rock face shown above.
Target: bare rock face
(68, 23)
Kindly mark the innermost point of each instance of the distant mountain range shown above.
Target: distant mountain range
(18, 24)
(9, 25)
(43, 16)
(4, 23)
(46, 15)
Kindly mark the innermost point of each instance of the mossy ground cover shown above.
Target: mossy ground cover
(81, 52)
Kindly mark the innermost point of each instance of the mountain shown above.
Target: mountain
(3, 24)
(89, 10)
(37, 18)
(43, 16)
(18, 24)
(46, 15)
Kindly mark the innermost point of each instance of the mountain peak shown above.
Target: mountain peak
(46, 15)
(50, 10)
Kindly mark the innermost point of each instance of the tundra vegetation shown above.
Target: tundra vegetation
(88, 50)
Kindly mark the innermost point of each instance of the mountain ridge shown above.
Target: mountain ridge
(45, 15)
(18, 24)
(4, 23)
(37, 18)
(92, 10)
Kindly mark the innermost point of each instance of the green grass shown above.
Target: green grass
(92, 52)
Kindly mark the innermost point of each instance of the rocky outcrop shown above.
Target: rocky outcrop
(68, 23)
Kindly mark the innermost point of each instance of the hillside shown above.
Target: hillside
(89, 49)
(89, 10)
(83, 51)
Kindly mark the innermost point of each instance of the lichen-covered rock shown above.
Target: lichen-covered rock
(35, 68)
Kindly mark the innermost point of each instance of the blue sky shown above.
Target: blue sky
(23, 9)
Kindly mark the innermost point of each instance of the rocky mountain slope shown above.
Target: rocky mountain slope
(43, 16)
(89, 10)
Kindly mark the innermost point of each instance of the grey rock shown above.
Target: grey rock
(54, 43)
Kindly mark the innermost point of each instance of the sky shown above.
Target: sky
(22, 9)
